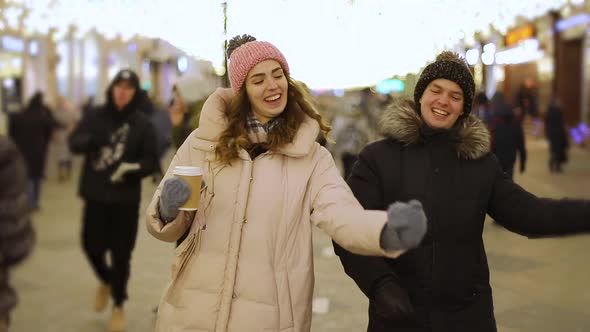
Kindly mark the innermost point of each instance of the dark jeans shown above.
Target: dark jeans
(555, 162)
(34, 192)
(110, 227)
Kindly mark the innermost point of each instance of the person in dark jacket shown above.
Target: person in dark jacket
(31, 130)
(163, 127)
(88, 106)
(16, 233)
(507, 135)
(481, 108)
(439, 154)
(119, 145)
(527, 98)
(557, 136)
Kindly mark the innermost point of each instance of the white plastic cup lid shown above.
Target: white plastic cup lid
(188, 170)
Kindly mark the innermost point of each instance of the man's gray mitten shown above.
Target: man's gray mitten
(405, 227)
(175, 192)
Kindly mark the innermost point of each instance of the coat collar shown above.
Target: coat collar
(212, 122)
(401, 122)
(304, 139)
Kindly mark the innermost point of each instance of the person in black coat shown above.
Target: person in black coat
(434, 151)
(163, 127)
(481, 108)
(557, 136)
(16, 232)
(119, 145)
(31, 130)
(507, 135)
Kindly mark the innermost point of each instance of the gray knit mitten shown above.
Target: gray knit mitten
(175, 192)
(405, 227)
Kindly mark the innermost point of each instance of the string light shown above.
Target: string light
(347, 43)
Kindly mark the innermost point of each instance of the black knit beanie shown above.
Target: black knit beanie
(450, 66)
(126, 75)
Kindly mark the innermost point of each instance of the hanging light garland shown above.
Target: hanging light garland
(338, 44)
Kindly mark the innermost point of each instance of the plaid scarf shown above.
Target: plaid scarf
(257, 132)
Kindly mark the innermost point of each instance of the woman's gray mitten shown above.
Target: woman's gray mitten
(405, 227)
(175, 192)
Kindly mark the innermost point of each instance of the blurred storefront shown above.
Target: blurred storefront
(11, 72)
(12, 76)
(85, 65)
(572, 59)
(550, 51)
(159, 69)
(163, 65)
(551, 56)
(571, 64)
(520, 54)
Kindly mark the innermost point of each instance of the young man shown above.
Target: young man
(119, 145)
(437, 153)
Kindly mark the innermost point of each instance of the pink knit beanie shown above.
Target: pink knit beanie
(248, 55)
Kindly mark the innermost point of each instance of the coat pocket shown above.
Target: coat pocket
(184, 253)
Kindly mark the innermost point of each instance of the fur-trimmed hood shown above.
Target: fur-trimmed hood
(401, 122)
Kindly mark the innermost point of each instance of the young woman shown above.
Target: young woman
(247, 263)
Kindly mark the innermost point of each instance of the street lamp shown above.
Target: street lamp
(226, 74)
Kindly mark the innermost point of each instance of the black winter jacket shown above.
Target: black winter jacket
(507, 135)
(458, 181)
(31, 131)
(556, 133)
(16, 232)
(108, 137)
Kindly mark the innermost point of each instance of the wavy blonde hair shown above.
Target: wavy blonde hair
(235, 136)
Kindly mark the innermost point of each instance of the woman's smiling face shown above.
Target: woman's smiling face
(267, 87)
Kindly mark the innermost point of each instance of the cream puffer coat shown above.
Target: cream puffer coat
(247, 264)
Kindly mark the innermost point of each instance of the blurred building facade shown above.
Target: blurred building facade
(549, 53)
(551, 50)
(78, 67)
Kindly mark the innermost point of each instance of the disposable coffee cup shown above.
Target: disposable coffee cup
(193, 175)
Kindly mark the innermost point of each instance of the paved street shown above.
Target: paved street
(539, 285)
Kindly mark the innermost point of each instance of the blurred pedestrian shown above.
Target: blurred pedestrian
(31, 130)
(67, 116)
(16, 233)
(526, 98)
(185, 108)
(247, 264)
(507, 135)
(119, 146)
(439, 154)
(351, 138)
(163, 127)
(370, 106)
(481, 108)
(88, 107)
(556, 134)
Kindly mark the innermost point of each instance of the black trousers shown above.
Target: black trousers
(110, 227)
